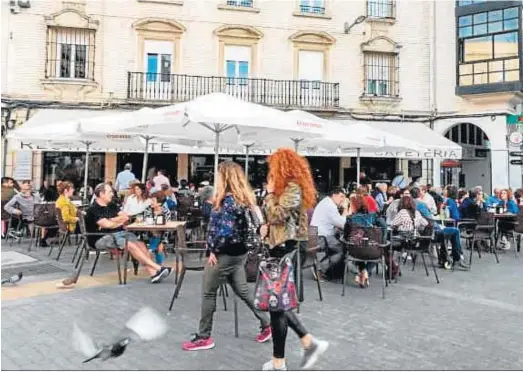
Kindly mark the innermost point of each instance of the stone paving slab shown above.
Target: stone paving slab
(470, 321)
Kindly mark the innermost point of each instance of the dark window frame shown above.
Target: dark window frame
(485, 7)
(72, 58)
(393, 81)
(381, 4)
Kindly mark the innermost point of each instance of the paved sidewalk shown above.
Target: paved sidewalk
(471, 321)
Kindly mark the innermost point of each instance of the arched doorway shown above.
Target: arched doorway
(475, 166)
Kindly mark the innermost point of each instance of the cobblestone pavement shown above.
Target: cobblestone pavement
(470, 321)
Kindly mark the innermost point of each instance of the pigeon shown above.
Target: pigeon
(145, 325)
(13, 279)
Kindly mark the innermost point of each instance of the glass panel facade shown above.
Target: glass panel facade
(70, 166)
(488, 46)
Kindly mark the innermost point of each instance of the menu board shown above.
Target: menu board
(23, 165)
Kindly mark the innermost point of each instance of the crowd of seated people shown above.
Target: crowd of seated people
(407, 209)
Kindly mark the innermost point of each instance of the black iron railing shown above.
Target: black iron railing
(282, 93)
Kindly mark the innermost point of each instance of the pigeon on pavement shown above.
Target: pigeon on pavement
(13, 279)
(145, 325)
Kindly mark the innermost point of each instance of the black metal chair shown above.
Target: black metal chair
(420, 243)
(365, 245)
(483, 231)
(507, 228)
(86, 248)
(307, 256)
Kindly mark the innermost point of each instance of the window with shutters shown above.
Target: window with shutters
(381, 9)
(70, 53)
(312, 6)
(310, 68)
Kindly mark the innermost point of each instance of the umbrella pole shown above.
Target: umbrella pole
(145, 158)
(86, 170)
(358, 166)
(216, 155)
(247, 148)
(296, 144)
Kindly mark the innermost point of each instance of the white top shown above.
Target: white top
(160, 180)
(134, 207)
(429, 200)
(327, 217)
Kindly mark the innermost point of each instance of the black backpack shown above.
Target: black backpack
(45, 214)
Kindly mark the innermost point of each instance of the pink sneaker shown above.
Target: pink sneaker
(264, 335)
(198, 343)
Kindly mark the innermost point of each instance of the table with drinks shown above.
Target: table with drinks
(156, 225)
(500, 213)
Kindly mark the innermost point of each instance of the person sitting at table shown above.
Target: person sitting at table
(66, 207)
(392, 210)
(451, 194)
(408, 219)
(421, 206)
(470, 207)
(103, 217)
(329, 221)
(372, 205)
(495, 198)
(137, 202)
(21, 207)
(170, 199)
(155, 209)
(359, 216)
(508, 202)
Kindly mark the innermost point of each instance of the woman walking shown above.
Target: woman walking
(291, 193)
(226, 242)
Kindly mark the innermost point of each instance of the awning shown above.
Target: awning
(46, 116)
(434, 144)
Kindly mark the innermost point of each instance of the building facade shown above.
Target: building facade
(396, 61)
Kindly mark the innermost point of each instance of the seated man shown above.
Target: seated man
(328, 220)
(21, 206)
(104, 217)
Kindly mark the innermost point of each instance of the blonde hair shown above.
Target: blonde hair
(231, 179)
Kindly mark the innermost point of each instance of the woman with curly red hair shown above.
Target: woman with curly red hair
(291, 193)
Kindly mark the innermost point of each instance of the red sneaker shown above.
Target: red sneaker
(265, 335)
(198, 343)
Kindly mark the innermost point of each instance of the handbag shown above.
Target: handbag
(275, 290)
(252, 264)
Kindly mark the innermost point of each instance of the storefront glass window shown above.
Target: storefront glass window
(70, 166)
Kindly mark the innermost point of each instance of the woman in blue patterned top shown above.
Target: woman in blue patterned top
(226, 242)
(155, 209)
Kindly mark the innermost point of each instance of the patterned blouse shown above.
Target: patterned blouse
(287, 217)
(226, 227)
(403, 222)
(149, 213)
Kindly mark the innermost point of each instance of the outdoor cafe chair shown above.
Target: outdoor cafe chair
(86, 248)
(39, 209)
(483, 231)
(365, 245)
(518, 229)
(507, 228)
(420, 243)
(64, 235)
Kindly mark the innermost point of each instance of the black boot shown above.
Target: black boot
(43, 243)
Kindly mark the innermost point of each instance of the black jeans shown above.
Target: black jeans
(231, 269)
(281, 321)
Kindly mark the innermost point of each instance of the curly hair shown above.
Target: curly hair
(231, 179)
(285, 166)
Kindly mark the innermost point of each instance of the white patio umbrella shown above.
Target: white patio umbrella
(71, 135)
(222, 119)
(358, 135)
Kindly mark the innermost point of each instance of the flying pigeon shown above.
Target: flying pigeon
(145, 325)
(13, 279)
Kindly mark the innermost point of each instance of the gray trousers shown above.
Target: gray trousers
(335, 252)
(232, 270)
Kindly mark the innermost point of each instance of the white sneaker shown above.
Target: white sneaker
(311, 355)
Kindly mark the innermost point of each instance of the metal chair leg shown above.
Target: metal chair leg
(424, 264)
(62, 244)
(33, 236)
(433, 268)
(384, 282)
(344, 278)
(76, 250)
(118, 268)
(223, 291)
(95, 261)
(495, 252)
(318, 281)
(236, 326)
(177, 288)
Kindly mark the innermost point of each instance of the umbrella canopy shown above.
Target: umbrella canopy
(221, 119)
